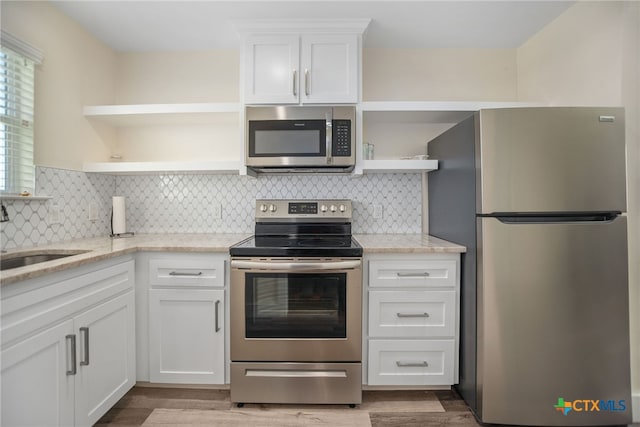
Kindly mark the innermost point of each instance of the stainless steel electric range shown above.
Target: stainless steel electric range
(296, 306)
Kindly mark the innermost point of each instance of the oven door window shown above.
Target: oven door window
(288, 138)
(281, 305)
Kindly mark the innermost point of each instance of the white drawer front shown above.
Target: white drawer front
(412, 314)
(411, 362)
(205, 272)
(412, 273)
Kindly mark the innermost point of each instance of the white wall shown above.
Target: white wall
(590, 56)
(77, 70)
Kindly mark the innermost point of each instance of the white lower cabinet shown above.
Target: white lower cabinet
(413, 319)
(186, 318)
(68, 345)
(36, 388)
(106, 357)
(186, 336)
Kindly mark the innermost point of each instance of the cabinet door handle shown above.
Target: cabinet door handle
(306, 81)
(71, 354)
(179, 273)
(295, 82)
(412, 364)
(217, 320)
(422, 274)
(412, 314)
(85, 346)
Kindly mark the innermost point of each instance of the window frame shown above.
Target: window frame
(17, 111)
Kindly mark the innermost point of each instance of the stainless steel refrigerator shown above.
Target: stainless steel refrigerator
(538, 197)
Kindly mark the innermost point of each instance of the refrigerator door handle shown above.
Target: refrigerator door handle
(551, 217)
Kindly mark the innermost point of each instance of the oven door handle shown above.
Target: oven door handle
(295, 266)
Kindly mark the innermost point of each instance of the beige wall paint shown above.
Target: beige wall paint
(178, 77)
(77, 70)
(439, 75)
(576, 59)
(590, 56)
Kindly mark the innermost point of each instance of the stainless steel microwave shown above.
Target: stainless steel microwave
(300, 138)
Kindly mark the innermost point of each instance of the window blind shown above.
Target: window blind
(17, 78)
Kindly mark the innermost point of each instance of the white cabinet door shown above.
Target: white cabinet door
(106, 357)
(329, 68)
(37, 382)
(186, 342)
(272, 74)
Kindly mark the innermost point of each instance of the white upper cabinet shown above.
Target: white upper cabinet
(298, 62)
(329, 69)
(272, 71)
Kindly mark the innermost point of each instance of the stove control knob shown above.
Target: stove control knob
(342, 208)
(273, 208)
(263, 208)
(333, 208)
(323, 208)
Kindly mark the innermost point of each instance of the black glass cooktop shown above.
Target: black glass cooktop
(299, 246)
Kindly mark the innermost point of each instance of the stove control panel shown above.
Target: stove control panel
(311, 210)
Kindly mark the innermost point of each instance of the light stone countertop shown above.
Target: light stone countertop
(100, 248)
(406, 244)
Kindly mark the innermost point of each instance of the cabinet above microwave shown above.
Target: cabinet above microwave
(301, 61)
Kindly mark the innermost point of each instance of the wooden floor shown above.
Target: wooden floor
(398, 407)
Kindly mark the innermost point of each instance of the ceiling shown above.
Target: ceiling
(139, 26)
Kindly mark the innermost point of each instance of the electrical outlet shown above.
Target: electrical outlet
(93, 211)
(378, 211)
(216, 211)
(54, 215)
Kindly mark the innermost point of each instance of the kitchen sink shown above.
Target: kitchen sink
(24, 259)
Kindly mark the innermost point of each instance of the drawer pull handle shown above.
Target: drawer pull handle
(71, 351)
(217, 309)
(412, 314)
(85, 332)
(423, 274)
(179, 273)
(295, 82)
(412, 364)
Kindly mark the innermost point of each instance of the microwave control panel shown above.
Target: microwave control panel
(341, 138)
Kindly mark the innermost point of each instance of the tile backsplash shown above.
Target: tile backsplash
(80, 204)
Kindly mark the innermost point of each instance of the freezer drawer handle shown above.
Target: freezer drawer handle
(412, 314)
(551, 218)
(421, 274)
(412, 364)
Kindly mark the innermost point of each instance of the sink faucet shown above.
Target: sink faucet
(4, 217)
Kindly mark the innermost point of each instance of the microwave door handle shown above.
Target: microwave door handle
(329, 136)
